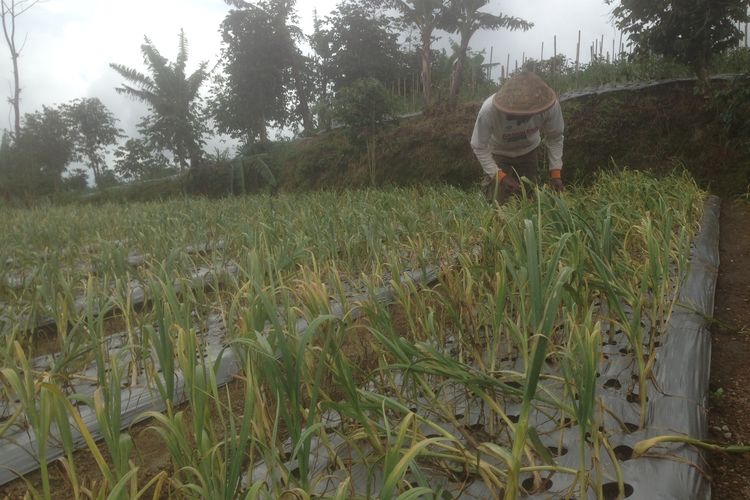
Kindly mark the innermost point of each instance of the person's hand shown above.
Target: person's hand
(556, 180)
(509, 183)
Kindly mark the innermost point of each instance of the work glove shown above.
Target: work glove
(556, 180)
(508, 182)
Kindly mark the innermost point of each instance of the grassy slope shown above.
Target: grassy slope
(656, 129)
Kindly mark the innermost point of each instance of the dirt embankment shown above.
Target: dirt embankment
(656, 129)
(729, 415)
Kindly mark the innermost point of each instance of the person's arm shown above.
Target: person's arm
(480, 143)
(553, 129)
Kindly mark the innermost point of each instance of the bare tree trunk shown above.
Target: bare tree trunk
(196, 155)
(9, 11)
(458, 69)
(264, 133)
(303, 107)
(303, 104)
(97, 172)
(371, 157)
(700, 67)
(427, 66)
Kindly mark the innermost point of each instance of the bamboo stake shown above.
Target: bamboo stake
(507, 66)
(554, 55)
(601, 47)
(541, 57)
(413, 93)
(578, 52)
(489, 68)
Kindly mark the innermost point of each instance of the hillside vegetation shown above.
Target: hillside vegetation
(657, 129)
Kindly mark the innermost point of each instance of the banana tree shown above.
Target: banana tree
(464, 18)
(173, 98)
(427, 16)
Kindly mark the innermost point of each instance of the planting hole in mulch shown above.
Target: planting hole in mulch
(513, 418)
(613, 383)
(630, 427)
(611, 491)
(528, 485)
(557, 452)
(623, 452)
(634, 398)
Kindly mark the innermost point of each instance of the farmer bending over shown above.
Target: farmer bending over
(507, 135)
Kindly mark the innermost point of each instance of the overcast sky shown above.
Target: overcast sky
(70, 43)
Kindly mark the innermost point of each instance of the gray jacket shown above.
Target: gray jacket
(495, 134)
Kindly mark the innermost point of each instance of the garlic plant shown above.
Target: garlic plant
(351, 378)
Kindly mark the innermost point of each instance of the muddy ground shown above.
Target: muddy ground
(729, 417)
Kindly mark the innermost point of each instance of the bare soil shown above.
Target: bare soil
(729, 416)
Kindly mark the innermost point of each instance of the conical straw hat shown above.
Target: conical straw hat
(524, 94)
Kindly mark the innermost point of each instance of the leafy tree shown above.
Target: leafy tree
(321, 44)
(357, 44)
(135, 160)
(251, 92)
(93, 129)
(465, 19)
(689, 31)
(365, 107)
(42, 151)
(301, 65)
(172, 97)
(427, 16)
(283, 18)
